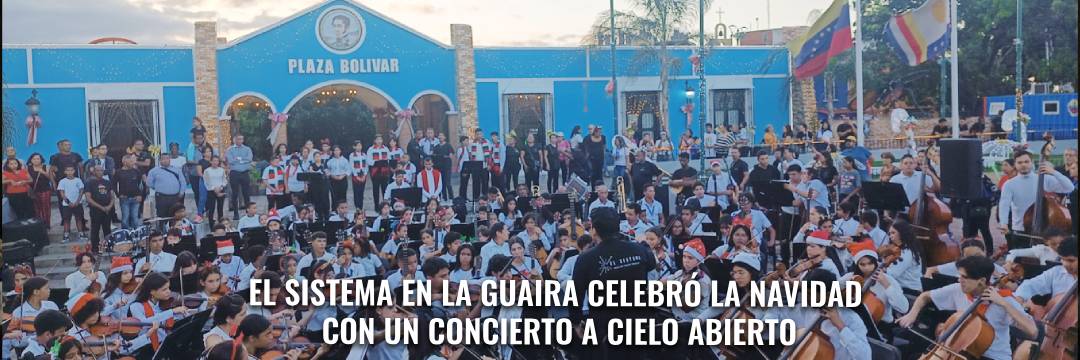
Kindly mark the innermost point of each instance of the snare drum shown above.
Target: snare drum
(578, 184)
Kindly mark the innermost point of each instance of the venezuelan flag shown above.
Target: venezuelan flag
(921, 34)
(830, 36)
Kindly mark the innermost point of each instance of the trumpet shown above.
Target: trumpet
(621, 187)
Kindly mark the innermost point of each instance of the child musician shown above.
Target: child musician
(868, 266)
(86, 311)
(844, 328)
(119, 288)
(147, 306)
(48, 325)
(693, 257)
(229, 265)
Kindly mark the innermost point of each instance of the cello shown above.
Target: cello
(1059, 342)
(811, 345)
(874, 306)
(930, 217)
(965, 335)
(1047, 211)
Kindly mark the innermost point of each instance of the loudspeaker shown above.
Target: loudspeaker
(961, 168)
(29, 229)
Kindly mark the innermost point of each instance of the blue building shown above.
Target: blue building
(341, 51)
(1056, 113)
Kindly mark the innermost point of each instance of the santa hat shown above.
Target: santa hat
(695, 248)
(121, 264)
(819, 237)
(714, 163)
(78, 302)
(863, 248)
(273, 216)
(225, 247)
(748, 259)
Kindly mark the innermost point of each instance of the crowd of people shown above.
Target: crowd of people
(640, 223)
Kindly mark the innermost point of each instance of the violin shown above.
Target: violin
(813, 344)
(25, 324)
(277, 352)
(129, 287)
(128, 328)
(1047, 211)
(930, 217)
(98, 347)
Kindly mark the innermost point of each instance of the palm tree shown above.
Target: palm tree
(654, 25)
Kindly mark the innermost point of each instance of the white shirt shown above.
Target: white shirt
(214, 178)
(892, 296)
(394, 186)
(395, 279)
(880, 237)
(760, 224)
(849, 343)
(717, 183)
(72, 189)
(846, 227)
(907, 271)
(79, 282)
(1039, 251)
(234, 268)
(1054, 281)
(309, 259)
(638, 229)
(162, 262)
(1018, 194)
(339, 166)
(651, 211)
(951, 297)
(489, 250)
(248, 222)
(911, 184)
(596, 204)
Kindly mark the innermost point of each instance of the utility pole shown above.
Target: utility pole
(614, 84)
(1019, 42)
(701, 81)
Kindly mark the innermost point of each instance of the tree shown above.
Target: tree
(653, 25)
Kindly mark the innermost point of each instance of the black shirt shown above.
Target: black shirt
(642, 173)
(826, 174)
(738, 170)
(759, 174)
(552, 154)
(612, 259)
(682, 174)
(845, 129)
(942, 129)
(441, 155)
(103, 198)
(143, 156)
(59, 161)
(595, 148)
(41, 182)
(532, 155)
(512, 157)
(128, 182)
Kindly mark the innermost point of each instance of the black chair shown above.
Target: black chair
(883, 351)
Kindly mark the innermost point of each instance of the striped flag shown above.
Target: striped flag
(830, 36)
(921, 34)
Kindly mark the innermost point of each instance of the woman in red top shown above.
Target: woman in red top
(41, 188)
(17, 189)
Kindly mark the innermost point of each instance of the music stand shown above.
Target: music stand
(256, 236)
(524, 204)
(331, 229)
(378, 238)
(208, 245)
(185, 341)
(60, 296)
(884, 196)
(187, 243)
(410, 196)
(467, 231)
(772, 194)
(414, 231)
(190, 284)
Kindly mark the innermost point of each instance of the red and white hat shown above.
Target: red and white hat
(819, 237)
(273, 216)
(747, 259)
(863, 248)
(225, 247)
(695, 248)
(714, 163)
(78, 302)
(121, 264)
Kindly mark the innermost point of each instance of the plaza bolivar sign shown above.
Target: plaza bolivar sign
(343, 66)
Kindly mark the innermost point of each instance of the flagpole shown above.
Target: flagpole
(955, 64)
(860, 123)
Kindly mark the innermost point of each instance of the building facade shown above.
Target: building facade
(341, 52)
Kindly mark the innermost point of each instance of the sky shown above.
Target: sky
(494, 22)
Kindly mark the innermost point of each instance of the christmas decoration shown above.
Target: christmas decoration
(610, 87)
(277, 120)
(33, 123)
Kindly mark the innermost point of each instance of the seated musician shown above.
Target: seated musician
(583, 243)
(693, 256)
(394, 243)
(523, 264)
(48, 326)
(119, 288)
(366, 256)
(227, 315)
(312, 321)
(1002, 313)
(383, 220)
(509, 213)
(86, 274)
(908, 269)
(209, 282)
(1045, 252)
(1056, 280)
(719, 183)
(868, 224)
(156, 259)
(704, 200)
(408, 269)
(276, 237)
(819, 249)
(256, 254)
(318, 251)
(652, 209)
(533, 234)
(231, 266)
(968, 248)
(345, 266)
(844, 328)
(845, 224)
(275, 284)
(36, 292)
(601, 199)
(741, 241)
(341, 213)
(399, 183)
(256, 334)
(250, 219)
(147, 306)
(383, 350)
(665, 259)
(813, 222)
(186, 264)
(634, 225)
(464, 266)
(86, 312)
(692, 218)
(179, 220)
(885, 288)
(428, 249)
(498, 235)
(745, 269)
(759, 223)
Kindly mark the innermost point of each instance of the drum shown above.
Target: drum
(121, 241)
(578, 184)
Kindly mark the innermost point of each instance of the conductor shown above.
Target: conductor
(613, 258)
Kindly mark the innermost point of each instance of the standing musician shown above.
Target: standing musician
(684, 177)
(497, 161)
(643, 173)
(1018, 193)
(156, 259)
(807, 189)
(762, 171)
(720, 185)
(909, 178)
(843, 327)
(1002, 313)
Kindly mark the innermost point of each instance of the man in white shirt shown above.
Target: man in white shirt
(428, 143)
(1018, 193)
(910, 179)
(1058, 279)
(156, 260)
(399, 183)
(633, 224)
(601, 199)
(709, 141)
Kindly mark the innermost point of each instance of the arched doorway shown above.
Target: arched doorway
(250, 117)
(430, 113)
(342, 113)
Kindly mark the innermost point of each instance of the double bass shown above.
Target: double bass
(930, 217)
(1047, 212)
